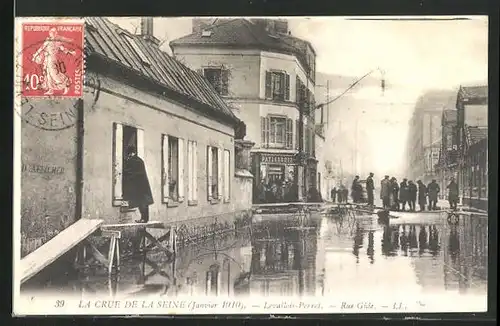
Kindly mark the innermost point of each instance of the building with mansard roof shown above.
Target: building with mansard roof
(268, 76)
(135, 94)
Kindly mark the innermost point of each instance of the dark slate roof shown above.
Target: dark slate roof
(476, 134)
(109, 40)
(474, 92)
(244, 33)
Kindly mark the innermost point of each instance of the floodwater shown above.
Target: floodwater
(326, 256)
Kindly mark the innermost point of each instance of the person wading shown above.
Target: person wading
(404, 194)
(453, 194)
(385, 192)
(412, 195)
(136, 188)
(370, 188)
(433, 191)
(422, 195)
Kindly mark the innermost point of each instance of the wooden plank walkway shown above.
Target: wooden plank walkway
(117, 227)
(57, 246)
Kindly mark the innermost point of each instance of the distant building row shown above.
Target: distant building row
(448, 138)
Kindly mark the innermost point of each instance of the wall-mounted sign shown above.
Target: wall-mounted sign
(277, 159)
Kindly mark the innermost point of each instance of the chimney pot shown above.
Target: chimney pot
(147, 31)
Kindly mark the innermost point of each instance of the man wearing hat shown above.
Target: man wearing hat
(136, 188)
(433, 191)
(370, 187)
(385, 192)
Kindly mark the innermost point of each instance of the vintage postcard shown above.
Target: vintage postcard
(244, 165)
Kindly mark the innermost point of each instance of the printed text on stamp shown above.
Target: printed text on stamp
(52, 60)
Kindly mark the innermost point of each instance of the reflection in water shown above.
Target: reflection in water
(277, 260)
(370, 251)
(358, 241)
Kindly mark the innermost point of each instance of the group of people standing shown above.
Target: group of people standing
(399, 196)
(339, 194)
(395, 196)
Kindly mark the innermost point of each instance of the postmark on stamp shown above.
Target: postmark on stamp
(52, 59)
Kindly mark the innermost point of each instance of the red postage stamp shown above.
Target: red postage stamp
(52, 59)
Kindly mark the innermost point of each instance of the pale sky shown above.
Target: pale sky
(415, 56)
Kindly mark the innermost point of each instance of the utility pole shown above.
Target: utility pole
(327, 103)
(356, 148)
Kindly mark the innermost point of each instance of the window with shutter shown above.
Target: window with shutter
(289, 133)
(124, 137)
(180, 165)
(117, 164)
(164, 170)
(268, 85)
(220, 174)
(297, 139)
(227, 176)
(287, 87)
(192, 172)
(173, 170)
(209, 173)
(263, 130)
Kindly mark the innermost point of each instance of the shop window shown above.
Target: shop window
(192, 172)
(214, 174)
(227, 176)
(123, 137)
(172, 170)
(219, 78)
(277, 86)
(277, 132)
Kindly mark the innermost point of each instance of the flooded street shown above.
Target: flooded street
(327, 256)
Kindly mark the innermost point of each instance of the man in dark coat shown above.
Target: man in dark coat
(136, 188)
(412, 195)
(333, 193)
(385, 192)
(370, 188)
(422, 195)
(345, 194)
(404, 194)
(453, 194)
(356, 190)
(433, 191)
(395, 193)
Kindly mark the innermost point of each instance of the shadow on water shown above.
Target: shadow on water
(300, 255)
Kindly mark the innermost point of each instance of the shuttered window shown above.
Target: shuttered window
(297, 139)
(117, 164)
(265, 126)
(289, 133)
(227, 175)
(192, 166)
(277, 86)
(123, 137)
(214, 174)
(172, 169)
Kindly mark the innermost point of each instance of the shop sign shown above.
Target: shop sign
(278, 159)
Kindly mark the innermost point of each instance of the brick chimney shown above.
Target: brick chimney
(147, 31)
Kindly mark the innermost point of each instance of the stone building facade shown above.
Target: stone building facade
(268, 77)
